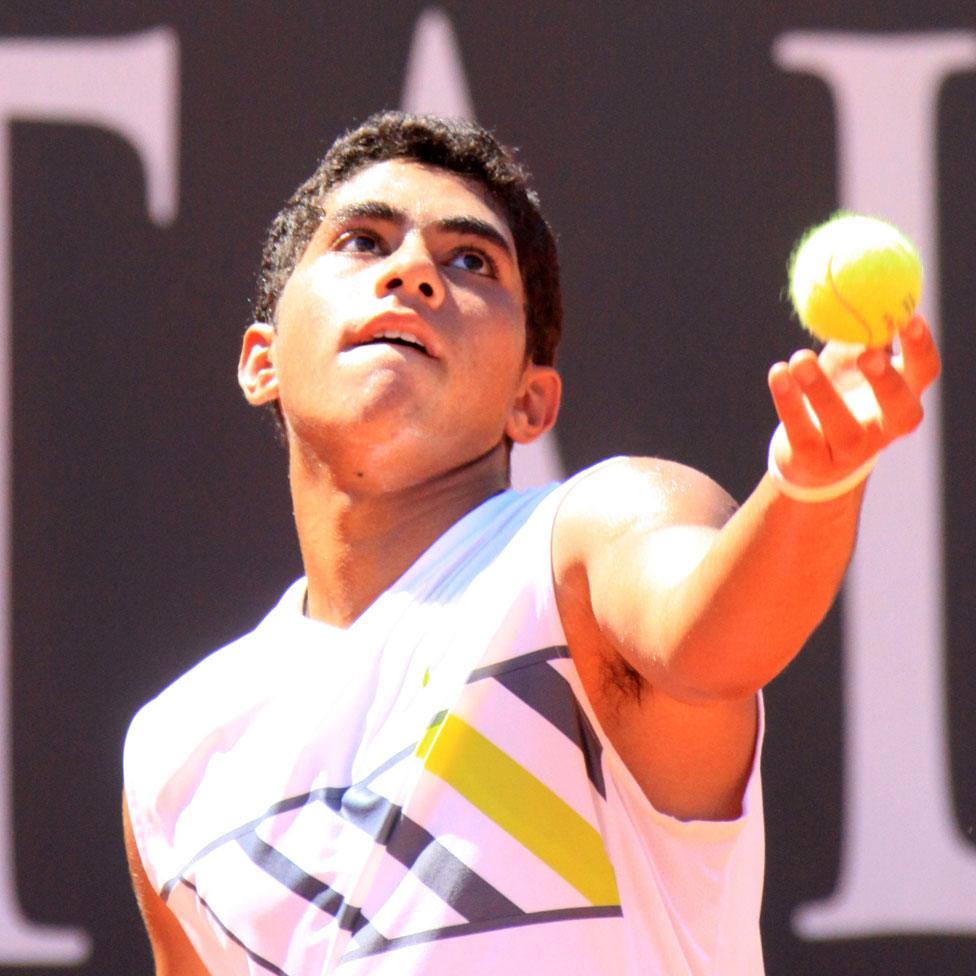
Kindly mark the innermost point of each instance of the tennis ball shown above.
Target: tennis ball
(855, 278)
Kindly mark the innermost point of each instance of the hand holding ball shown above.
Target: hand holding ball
(856, 279)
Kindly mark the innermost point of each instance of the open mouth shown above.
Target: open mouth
(396, 337)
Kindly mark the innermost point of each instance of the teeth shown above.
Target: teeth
(402, 336)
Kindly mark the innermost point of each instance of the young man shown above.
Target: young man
(488, 731)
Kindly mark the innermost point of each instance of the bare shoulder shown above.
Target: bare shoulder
(635, 494)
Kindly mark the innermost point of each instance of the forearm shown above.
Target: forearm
(761, 587)
(768, 576)
(708, 607)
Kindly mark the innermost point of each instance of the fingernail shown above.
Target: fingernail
(806, 371)
(781, 383)
(914, 329)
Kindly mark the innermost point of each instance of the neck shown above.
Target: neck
(358, 538)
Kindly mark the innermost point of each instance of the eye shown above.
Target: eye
(358, 242)
(475, 261)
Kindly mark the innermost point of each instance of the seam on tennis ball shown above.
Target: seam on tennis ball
(847, 305)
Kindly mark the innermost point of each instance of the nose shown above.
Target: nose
(412, 271)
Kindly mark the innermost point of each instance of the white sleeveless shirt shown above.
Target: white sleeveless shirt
(428, 791)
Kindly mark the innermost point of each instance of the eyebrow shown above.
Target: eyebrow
(378, 210)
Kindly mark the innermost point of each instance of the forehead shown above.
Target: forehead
(424, 193)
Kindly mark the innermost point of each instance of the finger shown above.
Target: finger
(801, 430)
(900, 408)
(919, 360)
(842, 431)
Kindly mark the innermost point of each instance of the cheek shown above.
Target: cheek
(496, 324)
(301, 354)
(305, 298)
(306, 323)
(502, 346)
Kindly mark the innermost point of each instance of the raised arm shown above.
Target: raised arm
(656, 581)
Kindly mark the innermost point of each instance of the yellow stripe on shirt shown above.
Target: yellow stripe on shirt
(522, 805)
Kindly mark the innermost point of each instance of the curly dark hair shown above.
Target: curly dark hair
(456, 145)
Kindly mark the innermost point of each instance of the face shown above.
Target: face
(402, 328)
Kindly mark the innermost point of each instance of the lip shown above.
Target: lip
(404, 321)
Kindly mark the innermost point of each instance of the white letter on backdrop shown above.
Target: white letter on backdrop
(130, 86)
(905, 866)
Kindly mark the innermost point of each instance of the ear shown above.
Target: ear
(536, 405)
(256, 371)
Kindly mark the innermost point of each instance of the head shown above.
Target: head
(455, 145)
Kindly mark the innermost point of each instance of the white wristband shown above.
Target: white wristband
(815, 493)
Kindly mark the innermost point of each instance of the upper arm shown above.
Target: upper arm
(172, 952)
(624, 540)
(626, 537)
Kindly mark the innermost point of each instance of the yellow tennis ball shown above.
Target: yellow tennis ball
(855, 278)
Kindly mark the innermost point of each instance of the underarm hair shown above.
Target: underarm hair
(622, 680)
